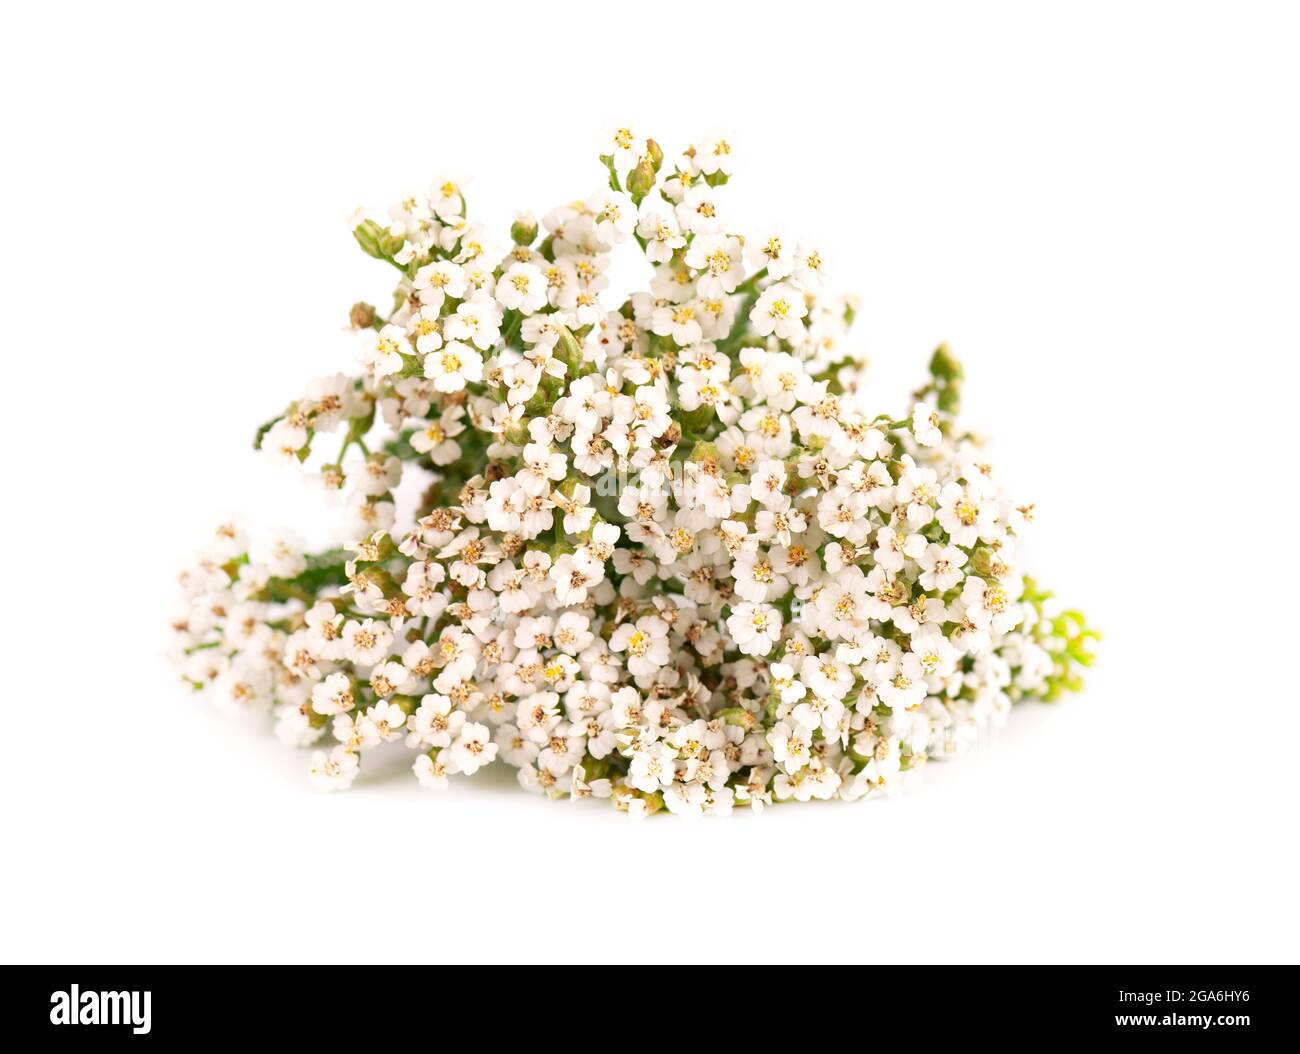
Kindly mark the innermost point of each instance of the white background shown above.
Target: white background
(1095, 204)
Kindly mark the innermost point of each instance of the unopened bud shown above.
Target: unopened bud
(375, 240)
(567, 348)
(362, 315)
(943, 364)
(524, 229)
(640, 180)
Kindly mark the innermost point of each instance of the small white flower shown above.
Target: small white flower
(366, 643)
(477, 321)
(453, 366)
(925, 425)
(384, 350)
(522, 288)
(473, 749)
(333, 771)
(437, 281)
(754, 627)
(780, 311)
(645, 644)
(614, 216)
(941, 567)
(333, 695)
(435, 723)
(431, 773)
(285, 440)
(790, 746)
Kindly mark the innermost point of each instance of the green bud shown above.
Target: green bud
(705, 452)
(359, 426)
(524, 229)
(568, 350)
(376, 241)
(943, 366)
(697, 419)
(563, 548)
(537, 405)
(738, 716)
(640, 180)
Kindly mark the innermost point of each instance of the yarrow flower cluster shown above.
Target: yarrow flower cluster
(658, 551)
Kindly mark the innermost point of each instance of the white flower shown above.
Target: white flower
(767, 485)
(773, 252)
(662, 236)
(941, 567)
(572, 633)
(285, 440)
(964, 516)
(614, 216)
(825, 676)
(473, 749)
(333, 695)
(437, 438)
(431, 773)
(714, 155)
(435, 723)
(917, 489)
(652, 769)
(522, 288)
(925, 425)
(779, 311)
(754, 627)
(989, 604)
(477, 321)
(573, 574)
(383, 352)
(282, 554)
(719, 257)
(698, 211)
(790, 746)
(580, 788)
(670, 551)
(454, 365)
(381, 722)
(366, 643)
(447, 199)
(679, 321)
(436, 281)
(785, 683)
(645, 642)
(333, 771)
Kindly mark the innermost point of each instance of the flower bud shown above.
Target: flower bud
(640, 180)
(362, 315)
(375, 240)
(567, 349)
(524, 229)
(944, 365)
